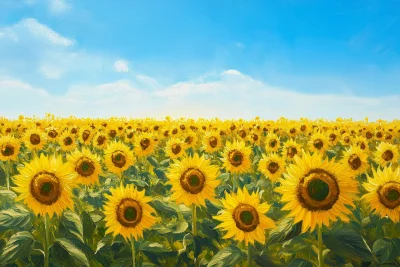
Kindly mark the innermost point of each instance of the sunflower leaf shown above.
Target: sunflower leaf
(17, 218)
(284, 231)
(71, 225)
(88, 225)
(226, 257)
(17, 247)
(385, 250)
(65, 252)
(300, 263)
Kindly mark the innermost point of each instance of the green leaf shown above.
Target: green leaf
(152, 160)
(348, 244)
(300, 263)
(224, 177)
(284, 231)
(385, 250)
(164, 207)
(227, 257)
(18, 218)
(153, 247)
(71, 225)
(64, 251)
(178, 226)
(208, 228)
(18, 246)
(88, 225)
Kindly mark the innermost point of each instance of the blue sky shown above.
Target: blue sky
(268, 58)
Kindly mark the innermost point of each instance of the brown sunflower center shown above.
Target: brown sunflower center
(85, 167)
(379, 134)
(53, 133)
(45, 188)
(255, 137)
(235, 157)
(118, 159)
(388, 136)
(7, 150)
(246, 217)
(387, 155)
(145, 143)
(74, 130)
(176, 148)
(100, 140)
(273, 143)
(213, 141)
(293, 131)
(318, 144)
(273, 167)
(35, 139)
(389, 195)
(303, 128)
(361, 145)
(112, 133)
(67, 141)
(347, 139)
(189, 140)
(129, 212)
(368, 135)
(85, 135)
(192, 181)
(291, 151)
(242, 133)
(318, 190)
(354, 161)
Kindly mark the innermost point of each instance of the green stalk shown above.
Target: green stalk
(194, 229)
(7, 169)
(133, 252)
(320, 248)
(47, 241)
(249, 259)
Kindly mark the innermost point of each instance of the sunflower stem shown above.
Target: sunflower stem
(133, 252)
(194, 229)
(249, 257)
(7, 169)
(47, 240)
(320, 248)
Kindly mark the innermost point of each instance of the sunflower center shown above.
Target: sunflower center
(235, 157)
(318, 144)
(291, 152)
(368, 135)
(85, 167)
(387, 155)
(112, 133)
(53, 134)
(74, 130)
(273, 167)
(389, 195)
(293, 131)
(347, 139)
(318, 190)
(332, 137)
(388, 136)
(118, 159)
(85, 135)
(379, 134)
(145, 143)
(213, 141)
(362, 145)
(246, 217)
(129, 212)
(255, 137)
(303, 128)
(189, 140)
(35, 139)
(67, 141)
(7, 150)
(176, 148)
(192, 181)
(354, 161)
(100, 140)
(272, 143)
(45, 188)
(242, 133)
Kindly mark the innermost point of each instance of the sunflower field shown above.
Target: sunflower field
(184, 192)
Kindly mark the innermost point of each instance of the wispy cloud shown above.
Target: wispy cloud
(121, 66)
(58, 6)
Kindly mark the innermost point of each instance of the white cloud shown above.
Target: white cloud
(51, 72)
(121, 66)
(225, 98)
(58, 6)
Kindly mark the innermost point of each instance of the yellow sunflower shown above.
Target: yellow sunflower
(319, 142)
(144, 145)
(362, 143)
(386, 153)
(290, 149)
(100, 140)
(118, 157)
(175, 148)
(316, 191)
(212, 142)
(127, 212)
(272, 166)
(85, 135)
(9, 148)
(384, 193)
(193, 180)
(67, 141)
(190, 140)
(86, 165)
(243, 217)
(52, 134)
(355, 160)
(45, 185)
(34, 139)
(272, 143)
(236, 157)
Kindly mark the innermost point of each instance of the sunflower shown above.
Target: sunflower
(190, 140)
(243, 217)
(9, 148)
(85, 135)
(272, 166)
(86, 165)
(346, 139)
(362, 143)
(212, 142)
(193, 180)
(34, 139)
(144, 145)
(100, 140)
(45, 185)
(67, 141)
(52, 134)
(272, 143)
(384, 193)
(316, 191)
(118, 157)
(175, 148)
(254, 138)
(290, 149)
(319, 142)
(386, 153)
(355, 160)
(127, 212)
(236, 157)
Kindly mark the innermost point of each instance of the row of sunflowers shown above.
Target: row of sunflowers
(185, 192)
